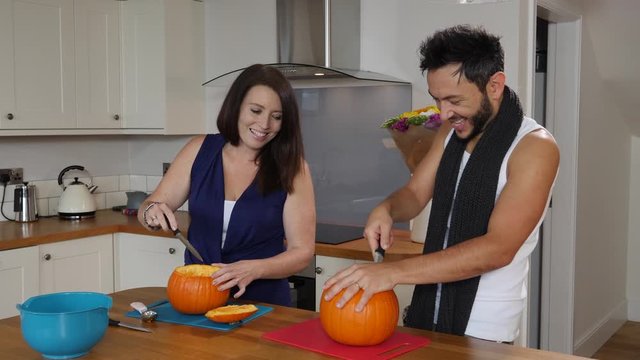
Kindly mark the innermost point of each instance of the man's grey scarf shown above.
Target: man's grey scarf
(472, 208)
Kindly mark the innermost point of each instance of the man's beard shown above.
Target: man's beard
(481, 118)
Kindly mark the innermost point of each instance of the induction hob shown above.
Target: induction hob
(337, 234)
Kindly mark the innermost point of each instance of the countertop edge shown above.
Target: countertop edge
(51, 230)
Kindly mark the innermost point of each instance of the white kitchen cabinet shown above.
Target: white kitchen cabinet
(101, 67)
(163, 65)
(77, 265)
(327, 266)
(97, 53)
(37, 71)
(18, 278)
(143, 260)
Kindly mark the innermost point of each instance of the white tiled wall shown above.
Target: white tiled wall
(111, 192)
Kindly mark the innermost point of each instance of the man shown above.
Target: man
(490, 172)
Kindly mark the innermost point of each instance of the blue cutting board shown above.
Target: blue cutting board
(166, 313)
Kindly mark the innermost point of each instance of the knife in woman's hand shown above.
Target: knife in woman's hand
(184, 240)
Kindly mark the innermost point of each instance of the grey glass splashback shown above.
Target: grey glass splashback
(352, 169)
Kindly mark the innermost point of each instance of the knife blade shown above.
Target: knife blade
(184, 240)
(378, 255)
(127, 325)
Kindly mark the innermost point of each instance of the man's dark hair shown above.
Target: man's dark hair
(479, 53)
(281, 159)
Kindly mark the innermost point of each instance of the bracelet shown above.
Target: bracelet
(146, 210)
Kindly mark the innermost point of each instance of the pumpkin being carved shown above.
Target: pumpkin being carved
(190, 289)
(373, 325)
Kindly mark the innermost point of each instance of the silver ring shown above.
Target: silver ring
(154, 218)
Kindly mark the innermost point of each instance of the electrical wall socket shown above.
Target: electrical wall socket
(15, 175)
(165, 167)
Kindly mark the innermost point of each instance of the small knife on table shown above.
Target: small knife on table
(127, 325)
(184, 240)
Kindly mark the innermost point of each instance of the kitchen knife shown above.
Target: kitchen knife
(378, 255)
(127, 325)
(184, 240)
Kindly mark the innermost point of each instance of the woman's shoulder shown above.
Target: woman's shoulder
(208, 141)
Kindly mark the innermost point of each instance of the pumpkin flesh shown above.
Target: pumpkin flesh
(373, 325)
(191, 291)
(231, 313)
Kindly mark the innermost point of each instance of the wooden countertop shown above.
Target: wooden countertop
(49, 230)
(170, 341)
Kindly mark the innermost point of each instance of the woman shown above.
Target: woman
(249, 188)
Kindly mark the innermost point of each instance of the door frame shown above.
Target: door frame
(559, 232)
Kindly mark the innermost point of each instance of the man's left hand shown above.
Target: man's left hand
(371, 278)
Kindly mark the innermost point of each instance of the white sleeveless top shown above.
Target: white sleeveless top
(226, 217)
(502, 293)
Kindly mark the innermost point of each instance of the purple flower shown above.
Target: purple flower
(401, 125)
(433, 122)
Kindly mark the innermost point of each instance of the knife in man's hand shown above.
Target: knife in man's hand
(378, 255)
(184, 240)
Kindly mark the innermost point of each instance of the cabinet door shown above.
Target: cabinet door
(18, 278)
(37, 74)
(143, 68)
(143, 260)
(97, 52)
(77, 265)
(326, 267)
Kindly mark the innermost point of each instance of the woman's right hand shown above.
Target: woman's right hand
(154, 215)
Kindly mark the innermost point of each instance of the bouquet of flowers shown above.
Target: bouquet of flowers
(413, 132)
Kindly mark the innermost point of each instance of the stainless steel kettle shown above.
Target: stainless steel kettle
(76, 201)
(25, 205)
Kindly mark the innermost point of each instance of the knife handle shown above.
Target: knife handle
(176, 231)
(379, 254)
(113, 322)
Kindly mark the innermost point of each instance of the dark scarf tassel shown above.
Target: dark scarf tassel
(472, 208)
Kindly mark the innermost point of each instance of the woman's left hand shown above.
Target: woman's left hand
(240, 274)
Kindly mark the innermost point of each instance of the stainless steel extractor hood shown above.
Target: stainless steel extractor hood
(318, 43)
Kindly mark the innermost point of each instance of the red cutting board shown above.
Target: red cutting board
(309, 335)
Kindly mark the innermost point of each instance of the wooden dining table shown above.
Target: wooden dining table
(173, 341)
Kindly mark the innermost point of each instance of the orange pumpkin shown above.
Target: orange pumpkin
(231, 313)
(191, 291)
(373, 325)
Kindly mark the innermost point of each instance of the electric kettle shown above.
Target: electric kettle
(76, 201)
(24, 203)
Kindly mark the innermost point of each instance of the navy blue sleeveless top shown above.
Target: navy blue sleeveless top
(255, 230)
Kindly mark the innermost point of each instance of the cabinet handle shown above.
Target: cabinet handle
(172, 251)
(47, 257)
(116, 117)
(319, 270)
(10, 116)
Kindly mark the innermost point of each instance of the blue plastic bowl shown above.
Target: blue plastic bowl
(64, 325)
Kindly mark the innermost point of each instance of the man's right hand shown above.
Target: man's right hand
(378, 228)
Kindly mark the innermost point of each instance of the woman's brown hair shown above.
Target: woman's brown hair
(281, 158)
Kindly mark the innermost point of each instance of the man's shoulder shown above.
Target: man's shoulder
(537, 145)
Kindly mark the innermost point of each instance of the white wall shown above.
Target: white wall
(392, 31)
(604, 163)
(116, 163)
